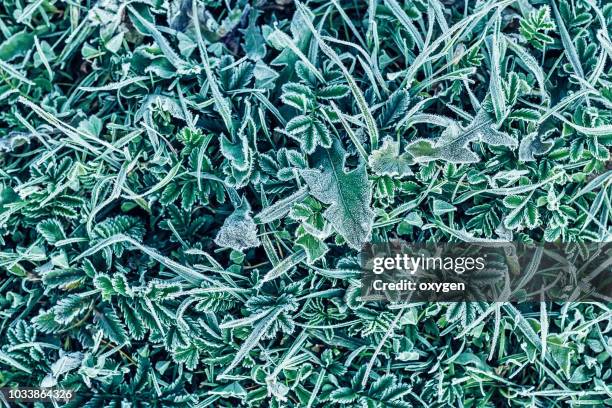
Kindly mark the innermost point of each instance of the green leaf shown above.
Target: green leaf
(527, 115)
(387, 161)
(495, 85)
(16, 45)
(10, 361)
(561, 353)
(414, 218)
(69, 308)
(66, 363)
(513, 201)
(441, 207)
(51, 230)
(298, 96)
(355, 90)
(104, 283)
(111, 326)
(233, 390)
(394, 108)
(348, 194)
(265, 76)
(313, 246)
(254, 44)
(532, 217)
(531, 64)
(189, 356)
(239, 231)
(334, 91)
(344, 395)
(133, 321)
(453, 144)
(280, 208)
(568, 43)
(310, 132)
(151, 29)
(259, 329)
(532, 146)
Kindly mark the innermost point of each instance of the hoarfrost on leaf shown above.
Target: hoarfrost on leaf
(239, 231)
(531, 145)
(453, 143)
(387, 160)
(348, 194)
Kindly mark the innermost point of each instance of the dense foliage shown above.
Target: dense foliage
(184, 186)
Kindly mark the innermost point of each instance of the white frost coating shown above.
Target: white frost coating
(497, 92)
(531, 64)
(239, 231)
(453, 144)
(347, 194)
(387, 161)
(237, 152)
(66, 363)
(532, 145)
(280, 208)
(309, 131)
(161, 102)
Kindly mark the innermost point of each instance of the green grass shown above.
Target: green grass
(185, 186)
